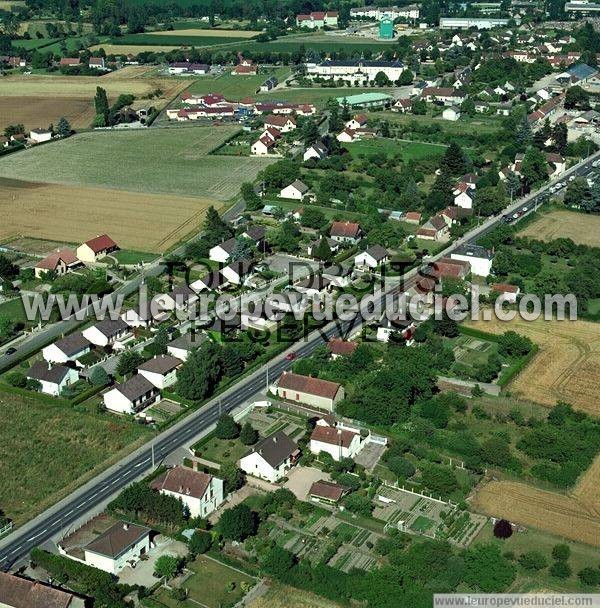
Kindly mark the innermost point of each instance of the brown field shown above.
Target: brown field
(566, 366)
(586, 489)
(208, 33)
(582, 229)
(279, 596)
(6, 5)
(138, 221)
(572, 517)
(36, 112)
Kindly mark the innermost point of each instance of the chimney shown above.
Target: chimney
(275, 439)
(125, 526)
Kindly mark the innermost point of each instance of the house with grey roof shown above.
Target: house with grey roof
(53, 379)
(271, 458)
(107, 332)
(161, 371)
(131, 396)
(182, 346)
(69, 348)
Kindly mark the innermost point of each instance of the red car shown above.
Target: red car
(290, 356)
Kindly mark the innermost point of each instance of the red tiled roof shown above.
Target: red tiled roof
(413, 215)
(182, 480)
(278, 121)
(504, 288)
(347, 229)
(333, 435)
(23, 593)
(52, 261)
(327, 490)
(341, 347)
(308, 384)
(100, 243)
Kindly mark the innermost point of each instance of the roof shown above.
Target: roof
(413, 215)
(274, 449)
(110, 328)
(182, 480)
(278, 120)
(581, 71)
(475, 251)
(327, 490)
(117, 539)
(188, 341)
(314, 281)
(134, 388)
(300, 186)
(341, 347)
(228, 246)
(182, 294)
(42, 371)
(73, 343)
(240, 267)
(365, 97)
(377, 252)
(161, 364)
(22, 593)
(52, 261)
(345, 229)
(309, 385)
(100, 243)
(256, 233)
(333, 435)
(504, 288)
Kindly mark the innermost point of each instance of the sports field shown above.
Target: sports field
(73, 214)
(566, 365)
(160, 161)
(583, 229)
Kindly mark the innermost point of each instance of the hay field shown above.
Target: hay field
(566, 366)
(173, 161)
(281, 596)
(581, 229)
(34, 112)
(208, 33)
(72, 214)
(567, 516)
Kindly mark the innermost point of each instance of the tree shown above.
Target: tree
(250, 197)
(99, 377)
(198, 377)
(310, 132)
(322, 251)
(559, 136)
(589, 576)
(487, 570)
(503, 529)
(523, 135)
(232, 476)
(578, 192)
(560, 569)
(244, 249)
(401, 466)
(128, 362)
(248, 434)
(512, 344)
(8, 270)
(227, 428)
(233, 364)
(238, 523)
(167, 566)
(200, 542)
(561, 552)
(576, 97)
(335, 121)
(64, 127)
(312, 218)
(454, 160)
(534, 167)
(359, 504)
(161, 339)
(489, 201)
(101, 104)
(533, 560)
(277, 562)
(214, 227)
(406, 78)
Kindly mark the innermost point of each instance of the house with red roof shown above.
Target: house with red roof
(59, 262)
(336, 441)
(96, 248)
(341, 348)
(317, 19)
(316, 392)
(284, 124)
(346, 232)
(508, 292)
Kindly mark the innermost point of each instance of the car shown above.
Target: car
(290, 356)
(10, 351)
(525, 209)
(572, 178)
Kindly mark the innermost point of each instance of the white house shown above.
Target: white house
(181, 298)
(199, 492)
(296, 191)
(59, 262)
(480, 258)
(397, 326)
(96, 248)
(131, 396)
(358, 122)
(317, 151)
(222, 252)
(69, 348)
(237, 272)
(52, 379)
(182, 346)
(161, 370)
(464, 196)
(319, 393)
(120, 545)
(284, 124)
(339, 443)
(372, 257)
(107, 332)
(271, 458)
(347, 136)
(346, 232)
(40, 135)
(211, 281)
(144, 315)
(451, 113)
(262, 146)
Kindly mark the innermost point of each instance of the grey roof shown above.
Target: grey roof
(256, 233)
(110, 328)
(134, 388)
(73, 343)
(475, 251)
(189, 340)
(275, 449)
(362, 62)
(336, 270)
(315, 281)
(182, 293)
(117, 539)
(40, 370)
(162, 364)
(377, 252)
(300, 186)
(213, 279)
(581, 71)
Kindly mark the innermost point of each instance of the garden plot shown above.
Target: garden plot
(267, 422)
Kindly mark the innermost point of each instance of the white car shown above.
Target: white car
(572, 178)
(525, 209)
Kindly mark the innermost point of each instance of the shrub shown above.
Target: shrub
(560, 570)
(503, 529)
(533, 560)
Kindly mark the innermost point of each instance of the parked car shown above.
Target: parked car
(290, 356)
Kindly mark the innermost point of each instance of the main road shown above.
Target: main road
(89, 499)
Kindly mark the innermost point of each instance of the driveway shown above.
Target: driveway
(300, 480)
(143, 573)
(289, 264)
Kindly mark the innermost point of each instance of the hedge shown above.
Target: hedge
(517, 367)
(42, 397)
(477, 333)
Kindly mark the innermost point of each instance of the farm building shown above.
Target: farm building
(96, 248)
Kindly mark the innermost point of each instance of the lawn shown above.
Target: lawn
(422, 524)
(46, 451)
(169, 161)
(220, 450)
(213, 584)
(13, 309)
(34, 43)
(583, 229)
(125, 256)
(279, 596)
(408, 150)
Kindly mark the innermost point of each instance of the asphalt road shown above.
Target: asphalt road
(15, 547)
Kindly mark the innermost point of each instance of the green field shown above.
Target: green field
(322, 46)
(47, 450)
(408, 150)
(34, 43)
(125, 256)
(316, 95)
(422, 524)
(175, 40)
(171, 161)
(220, 450)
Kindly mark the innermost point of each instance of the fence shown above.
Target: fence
(395, 486)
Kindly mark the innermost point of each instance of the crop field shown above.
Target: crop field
(36, 112)
(136, 221)
(178, 38)
(566, 365)
(567, 516)
(279, 596)
(581, 229)
(166, 161)
(35, 447)
(204, 33)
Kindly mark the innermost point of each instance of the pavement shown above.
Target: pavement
(301, 479)
(94, 495)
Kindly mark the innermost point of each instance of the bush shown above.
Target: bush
(200, 542)
(533, 560)
(561, 553)
(238, 523)
(560, 570)
(503, 529)
(227, 428)
(589, 576)
(361, 505)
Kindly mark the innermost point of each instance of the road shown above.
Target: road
(15, 547)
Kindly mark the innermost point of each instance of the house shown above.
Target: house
(131, 396)
(296, 190)
(269, 84)
(347, 136)
(552, 158)
(39, 136)
(316, 392)
(59, 262)
(509, 293)
(144, 315)
(97, 63)
(312, 286)
(161, 370)
(358, 122)
(222, 252)
(447, 268)
(245, 68)
(464, 195)
(211, 281)
(182, 346)
(17, 592)
(200, 492)
(395, 325)
(69, 348)
(412, 217)
(284, 124)
(327, 491)
(334, 246)
(338, 275)
(236, 272)
(402, 105)
(341, 348)
(107, 332)
(96, 248)
(271, 458)
(122, 544)
(318, 151)
(262, 146)
(317, 19)
(181, 298)
(255, 233)
(186, 67)
(337, 442)
(434, 229)
(346, 232)
(447, 96)
(451, 113)
(479, 258)
(371, 258)
(53, 379)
